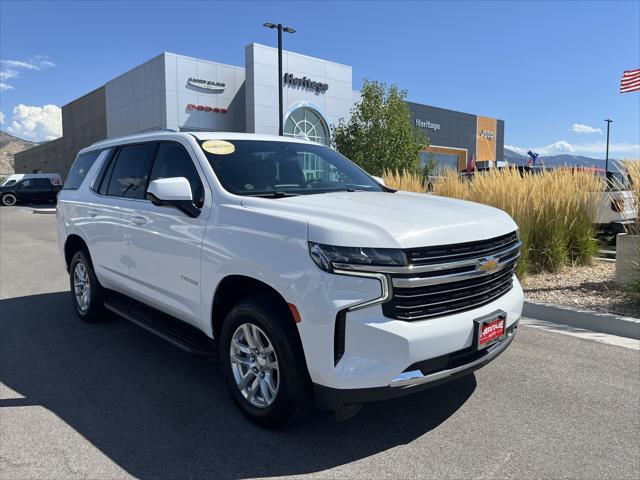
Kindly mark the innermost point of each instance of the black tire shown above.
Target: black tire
(294, 397)
(94, 311)
(8, 200)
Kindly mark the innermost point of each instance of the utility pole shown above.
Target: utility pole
(280, 29)
(606, 158)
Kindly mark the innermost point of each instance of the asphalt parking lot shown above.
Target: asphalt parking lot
(110, 401)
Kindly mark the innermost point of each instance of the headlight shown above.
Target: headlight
(326, 256)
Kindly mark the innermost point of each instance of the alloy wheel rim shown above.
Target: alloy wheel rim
(9, 200)
(81, 287)
(254, 364)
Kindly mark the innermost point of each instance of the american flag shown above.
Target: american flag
(630, 81)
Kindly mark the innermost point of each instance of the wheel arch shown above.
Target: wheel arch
(73, 244)
(234, 288)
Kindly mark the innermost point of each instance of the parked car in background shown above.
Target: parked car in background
(29, 189)
(615, 208)
(306, 277)
(16, 177)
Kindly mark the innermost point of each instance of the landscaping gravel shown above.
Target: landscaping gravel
(589, 288)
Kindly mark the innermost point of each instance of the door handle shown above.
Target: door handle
(138, 220)
(92, 212)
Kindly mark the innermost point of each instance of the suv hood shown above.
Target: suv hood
(389, 220)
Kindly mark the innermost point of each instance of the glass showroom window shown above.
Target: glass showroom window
(306, 123)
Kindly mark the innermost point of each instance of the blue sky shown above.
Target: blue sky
(543, 67)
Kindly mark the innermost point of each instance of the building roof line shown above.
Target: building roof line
(301, 55)
(451, 110)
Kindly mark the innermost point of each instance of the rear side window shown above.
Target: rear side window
(174, 161)
(79, 170)
(42, 183)
(131, 171)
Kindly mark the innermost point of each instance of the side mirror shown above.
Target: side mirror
(379, 180)
(175, 192)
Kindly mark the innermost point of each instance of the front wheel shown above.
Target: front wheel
(9, 199)
(263, 363)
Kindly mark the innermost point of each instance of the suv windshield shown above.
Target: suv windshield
(274, 168)
(617, 181)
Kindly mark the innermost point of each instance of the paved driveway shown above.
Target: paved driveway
(111, 401)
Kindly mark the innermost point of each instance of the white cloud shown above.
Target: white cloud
(1, 118)
(7, 74)
(579, 128)
(12, 68)
(520, 150)
(36, 123)
(19, 64)
(596, 149)
(37, 62)
(42, 61)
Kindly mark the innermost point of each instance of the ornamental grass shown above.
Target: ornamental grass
(403, 180)
(552, 210)
(633, 169)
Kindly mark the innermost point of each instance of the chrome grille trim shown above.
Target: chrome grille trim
(469, 249)
(437, 267)
(476, 274)
(505, 274)
(412, 282)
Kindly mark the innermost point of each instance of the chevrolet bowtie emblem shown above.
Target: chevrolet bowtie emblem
(488, 265)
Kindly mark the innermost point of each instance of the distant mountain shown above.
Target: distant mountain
(514, 157)
(557, 160)
(9, 146)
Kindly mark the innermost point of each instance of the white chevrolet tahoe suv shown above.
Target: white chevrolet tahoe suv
(305, 276)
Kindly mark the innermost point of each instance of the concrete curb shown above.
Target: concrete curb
(44, 211)
(598, 322)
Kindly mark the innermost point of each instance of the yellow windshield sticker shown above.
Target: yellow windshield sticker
(218, 147)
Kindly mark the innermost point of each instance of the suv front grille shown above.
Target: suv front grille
(459, 251)
(452, 278)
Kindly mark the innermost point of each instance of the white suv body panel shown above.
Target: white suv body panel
(267, 240)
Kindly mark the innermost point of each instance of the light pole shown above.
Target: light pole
(606, 158)
(280, 29)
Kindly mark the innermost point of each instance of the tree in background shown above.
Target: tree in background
(379, 135)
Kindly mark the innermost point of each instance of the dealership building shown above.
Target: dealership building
(180, 93)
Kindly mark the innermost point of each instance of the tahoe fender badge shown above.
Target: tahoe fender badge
(189, 280)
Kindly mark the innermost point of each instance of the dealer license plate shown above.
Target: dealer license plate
(490, 329)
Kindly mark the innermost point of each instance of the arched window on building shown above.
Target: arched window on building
(307, 123)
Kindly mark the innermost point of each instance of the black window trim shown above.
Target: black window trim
(97, 182)
(198, 204)
(99, 151)
(113, 157)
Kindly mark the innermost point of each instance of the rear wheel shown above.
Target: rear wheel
(263, 362)
(9, 199)
(86, 292)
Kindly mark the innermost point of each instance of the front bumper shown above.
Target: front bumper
(451, 367)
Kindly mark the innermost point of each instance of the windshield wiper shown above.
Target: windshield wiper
(276, 194)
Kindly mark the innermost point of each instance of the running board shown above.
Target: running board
(174, 331)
